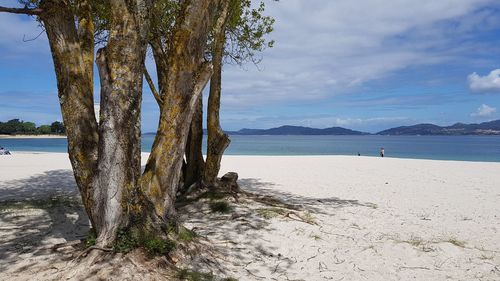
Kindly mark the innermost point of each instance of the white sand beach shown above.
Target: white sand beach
(369, 219)
(32, 137)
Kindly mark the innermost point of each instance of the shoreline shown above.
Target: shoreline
(32, 137)
(146, 154)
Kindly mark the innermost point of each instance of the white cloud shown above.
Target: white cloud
(21, 35)
(484, 111)
(326, 47)
(485, 84)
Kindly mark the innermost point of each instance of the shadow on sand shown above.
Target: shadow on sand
(37, 213)
(248, 239)
(316, 205)
(41, 211)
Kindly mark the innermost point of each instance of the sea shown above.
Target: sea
(463, 148)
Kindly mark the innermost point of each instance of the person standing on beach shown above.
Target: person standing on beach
(382, 152)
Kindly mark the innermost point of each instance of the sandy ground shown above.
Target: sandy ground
(32, 137)
(365, 219)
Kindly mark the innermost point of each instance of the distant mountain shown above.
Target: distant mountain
(288, 130)
(297, 130)
(486, 128)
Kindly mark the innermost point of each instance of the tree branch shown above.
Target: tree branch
(220, 24)
(24, 11)
(205, 72)
(152, 87)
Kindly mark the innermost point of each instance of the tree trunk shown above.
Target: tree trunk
(194, 154)
(73, 62)
(217, 140)
(121, 65)
(186, 76)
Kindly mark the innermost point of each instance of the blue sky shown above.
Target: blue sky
(366, 65)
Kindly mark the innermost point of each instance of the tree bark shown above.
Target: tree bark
(185, 78)
(194, 154)
(217, 140)
(71, 54)
(121, 66)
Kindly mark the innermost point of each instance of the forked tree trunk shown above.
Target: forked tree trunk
(194, 154)
(186, 77)
(72, 53)
(121, 65)
(217, 140)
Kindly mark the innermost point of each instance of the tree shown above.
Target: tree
(10, 127)
(57, 127)
(16, 126)
(105, 155)
(244, 30)
(44, 130)
(71, 41)
(246, 27)
(182, 75)
(105, 159)
(27, 127)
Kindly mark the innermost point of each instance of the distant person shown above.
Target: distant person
(382, 152)
(4, 151)
(359, 154)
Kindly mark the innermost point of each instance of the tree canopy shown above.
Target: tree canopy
(17, 126)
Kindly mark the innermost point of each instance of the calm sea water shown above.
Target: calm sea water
(469, 148)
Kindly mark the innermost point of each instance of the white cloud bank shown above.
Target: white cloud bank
(484, 111)
(485, 84)
(326, 47)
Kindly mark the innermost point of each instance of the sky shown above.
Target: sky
(366, 65)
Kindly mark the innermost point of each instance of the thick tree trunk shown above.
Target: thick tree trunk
(217, 140)
(185, 79)
(121, 65)
(194, 154)
(73, 62)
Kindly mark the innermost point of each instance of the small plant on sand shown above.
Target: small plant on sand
(158, 247)
(186, 235)
(125, 242)
(220, 207)
(456, 242)
(91, 239)
(269, 213)
(128, 240)
(308, 218)
(418, 243)
(486, 257)
(316, 237)
(415, 241)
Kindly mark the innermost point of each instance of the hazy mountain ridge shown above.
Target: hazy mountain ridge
(297, 130)
(485, 128)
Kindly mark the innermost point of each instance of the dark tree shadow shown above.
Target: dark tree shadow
(313, 204)
(38, 212)
(55, 183)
